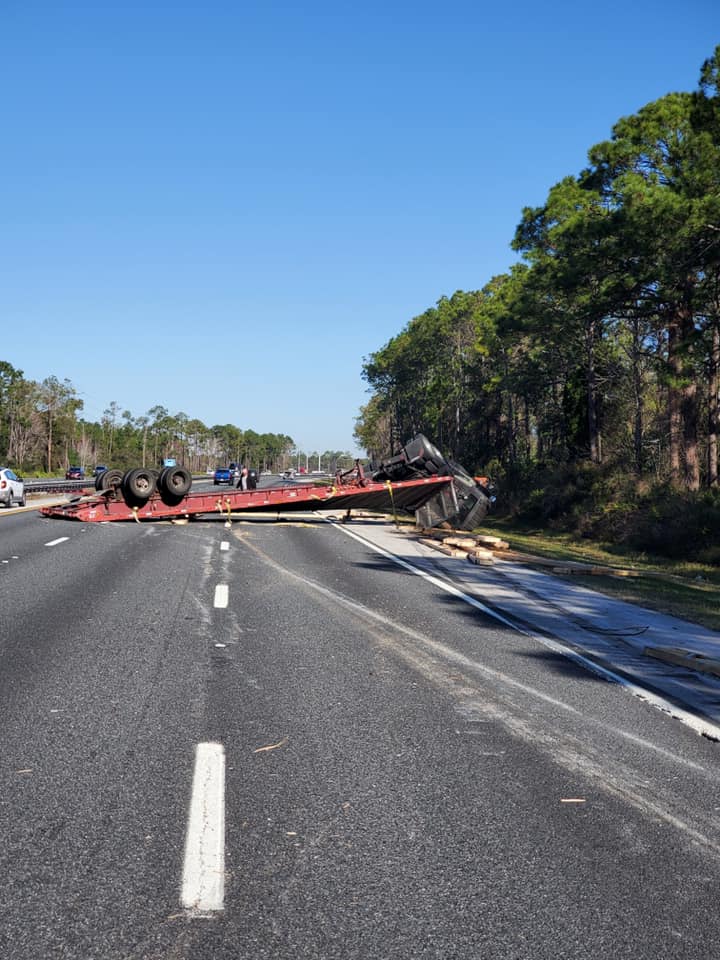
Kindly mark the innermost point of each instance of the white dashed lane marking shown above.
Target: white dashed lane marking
(221, 596)
(54, 543)
(225, 545)
(203, 881)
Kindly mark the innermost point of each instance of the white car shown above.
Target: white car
(11, 488)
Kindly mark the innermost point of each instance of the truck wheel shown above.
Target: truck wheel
(139, 483)
(108, 479)
(175, 481)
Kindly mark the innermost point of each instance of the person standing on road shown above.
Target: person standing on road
(242, 483)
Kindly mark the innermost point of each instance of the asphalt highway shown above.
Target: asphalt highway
(268, 741)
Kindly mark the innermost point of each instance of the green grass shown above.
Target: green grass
(683, 589)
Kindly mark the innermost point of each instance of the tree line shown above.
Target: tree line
(42, 431)
(602, 343)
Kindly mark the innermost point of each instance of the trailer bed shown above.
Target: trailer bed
(407, 495)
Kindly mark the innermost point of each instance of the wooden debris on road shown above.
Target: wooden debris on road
(493, 543)
(443, 548)
(685, 658)
(272, 746)
(462, 543)
(484, 549)
(581, 568)
(481, 557)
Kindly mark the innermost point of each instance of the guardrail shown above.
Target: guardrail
(51, 486)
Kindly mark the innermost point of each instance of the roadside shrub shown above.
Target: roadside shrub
(675, 525)
(561, 497)
(612, 507)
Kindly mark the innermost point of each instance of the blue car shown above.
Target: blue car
(223, 475)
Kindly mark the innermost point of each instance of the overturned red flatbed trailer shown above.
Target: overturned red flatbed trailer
(417, 480)
(361, 494)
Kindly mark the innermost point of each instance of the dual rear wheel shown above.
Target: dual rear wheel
(138, 485)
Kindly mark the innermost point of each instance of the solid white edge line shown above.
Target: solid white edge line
(54, 543)
(221, 596)
(203, 880)
(705, 728)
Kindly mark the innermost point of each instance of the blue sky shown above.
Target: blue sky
(223, 207)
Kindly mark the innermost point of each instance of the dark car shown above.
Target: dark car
(74, 473)
(100, 468)
(223, 475)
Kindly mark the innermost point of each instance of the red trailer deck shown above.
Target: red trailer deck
(359, 493)
(418, 479)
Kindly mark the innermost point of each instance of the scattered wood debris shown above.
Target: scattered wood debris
(494, 543)
(581, 568)
(445, 548)
(685, 658)
(481, 557)
(272, 746)
(478, 548)
(484, 549)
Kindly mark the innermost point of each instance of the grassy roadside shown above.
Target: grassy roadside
(688, 590)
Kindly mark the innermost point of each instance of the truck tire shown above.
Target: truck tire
(175, 481)
(108, 479)
(138, 483)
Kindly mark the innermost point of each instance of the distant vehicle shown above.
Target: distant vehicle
(223, 475)
(74, 473)
(169, 462)
(12, 488)
(100, 468)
